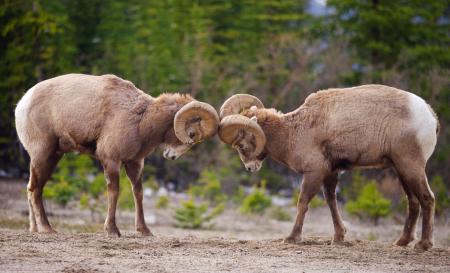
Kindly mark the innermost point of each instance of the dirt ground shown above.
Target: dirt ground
(237, 243)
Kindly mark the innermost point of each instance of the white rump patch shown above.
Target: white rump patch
(21, 113)
(24, 104)
(424, 123)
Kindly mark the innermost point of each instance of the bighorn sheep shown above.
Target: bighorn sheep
(337, 129)
(112, 120)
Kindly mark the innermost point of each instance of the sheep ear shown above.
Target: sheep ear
(254, 118)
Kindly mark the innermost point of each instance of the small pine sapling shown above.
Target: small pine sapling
(370, 203)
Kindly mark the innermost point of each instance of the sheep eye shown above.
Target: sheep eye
(192, 135)
(241, 146)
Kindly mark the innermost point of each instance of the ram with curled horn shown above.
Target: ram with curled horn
(112, 120)
(340, 129)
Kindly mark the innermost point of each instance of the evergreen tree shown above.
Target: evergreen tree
(35, 45)
(389, 32)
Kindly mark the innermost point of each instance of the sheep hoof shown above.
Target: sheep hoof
(423, 245)
(144, 231)
(112, 231)
(114, 234)
(47, 230)
(291, 240)
(339, 241)
(404, 241)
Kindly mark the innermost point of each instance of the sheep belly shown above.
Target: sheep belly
(358, 144)
(346, 157)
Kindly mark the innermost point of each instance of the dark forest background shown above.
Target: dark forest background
(280, 51)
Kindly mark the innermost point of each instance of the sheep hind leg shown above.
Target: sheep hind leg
(414, 176)
(134, 173)
(32, 217)
(41, 168)
(30, 189)
(427, 202)
(329, 191)
(409, 230)
(310, 187)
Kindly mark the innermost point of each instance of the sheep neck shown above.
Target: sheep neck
(277, 137)
(159, 115)
(283, 133)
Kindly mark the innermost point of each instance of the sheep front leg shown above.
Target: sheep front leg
(134, 173)
(310, 187)
(112, 169)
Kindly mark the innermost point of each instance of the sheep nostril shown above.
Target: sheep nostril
(173, 157)
(248, 169)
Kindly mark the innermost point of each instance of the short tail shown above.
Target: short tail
(438, 127)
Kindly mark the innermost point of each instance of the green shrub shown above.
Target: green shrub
(352, 191)
(372, 236)
(162, 202)
(370, 203)
(97, 187)
(152, 183)
(280, 214)
(76, 166)
(62, 192)
(401, 205)
(256, 202)
(84, 201)
(91, 198)
(95, 206)
(208, 188)
(441, 194)
(316, 202)
(126, 197)
(77, 178)
(70, 181)
(295, 195)
(193, 216)
(238, 196)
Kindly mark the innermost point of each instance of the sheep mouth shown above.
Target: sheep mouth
(169, 155)
(253, 166)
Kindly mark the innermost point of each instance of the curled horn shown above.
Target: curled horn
(237, 103)
(209, 121)
(231, 125)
